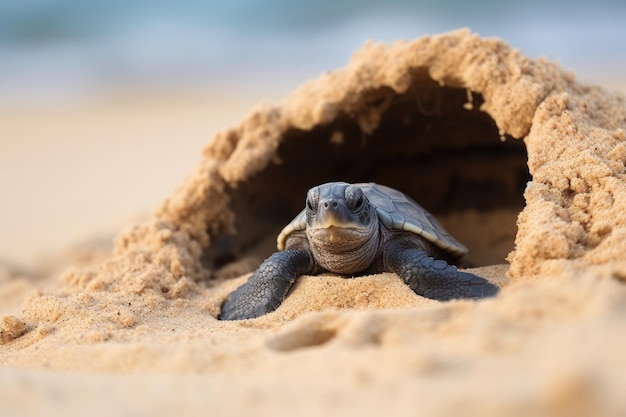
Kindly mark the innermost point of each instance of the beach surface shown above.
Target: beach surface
(109, 295)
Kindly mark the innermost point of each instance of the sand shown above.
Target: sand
(520, 161)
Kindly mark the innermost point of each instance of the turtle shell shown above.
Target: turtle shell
(397, 212)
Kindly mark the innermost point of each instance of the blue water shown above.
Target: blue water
(50, 49)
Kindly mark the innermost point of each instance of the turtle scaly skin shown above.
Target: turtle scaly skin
(356, 229)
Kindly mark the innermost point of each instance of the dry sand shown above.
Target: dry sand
(471, 129)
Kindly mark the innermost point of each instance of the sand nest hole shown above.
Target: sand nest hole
(517, 159)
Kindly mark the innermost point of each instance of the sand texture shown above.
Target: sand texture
(518, 160)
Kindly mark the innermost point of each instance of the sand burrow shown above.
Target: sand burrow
(434, 143)
(517, 159)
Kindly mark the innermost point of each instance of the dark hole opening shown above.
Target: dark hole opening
(432, 143)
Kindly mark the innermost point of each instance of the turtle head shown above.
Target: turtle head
(339, 218)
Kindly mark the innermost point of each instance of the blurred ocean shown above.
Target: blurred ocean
(63, 49)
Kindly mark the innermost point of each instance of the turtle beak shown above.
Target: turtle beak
(333, 212)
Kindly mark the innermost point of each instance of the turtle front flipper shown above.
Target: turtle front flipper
(434, 278)
(267, 287)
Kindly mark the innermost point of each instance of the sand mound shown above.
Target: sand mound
(512, 154)
(436, 118)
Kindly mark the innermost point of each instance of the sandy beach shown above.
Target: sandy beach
(157, 209)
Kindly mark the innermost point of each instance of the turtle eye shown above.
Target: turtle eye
(354, 198)
(311, 199)
(359, 202)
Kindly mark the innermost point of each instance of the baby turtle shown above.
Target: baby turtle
(357, 229)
